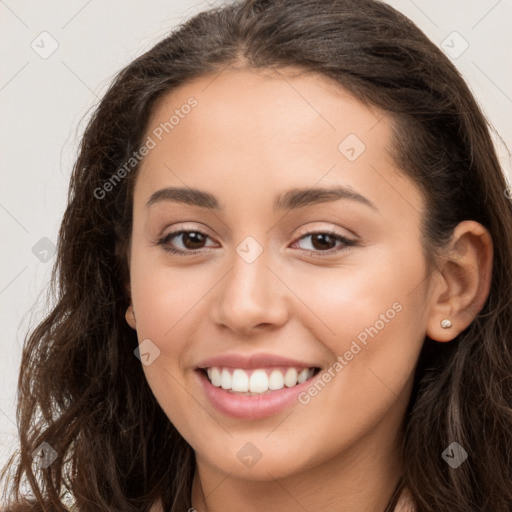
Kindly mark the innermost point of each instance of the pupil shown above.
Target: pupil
(191, 236)
(322, 237)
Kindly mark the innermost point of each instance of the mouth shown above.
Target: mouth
(257, 381)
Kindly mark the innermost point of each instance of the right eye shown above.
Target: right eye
(195, 238)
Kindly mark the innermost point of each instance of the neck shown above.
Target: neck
(363, 477)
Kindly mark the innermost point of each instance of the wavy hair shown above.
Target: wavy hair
(82, 391)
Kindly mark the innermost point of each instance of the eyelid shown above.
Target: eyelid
(184, 227)
(320, 229)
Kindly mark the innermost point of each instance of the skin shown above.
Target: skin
(253, 135)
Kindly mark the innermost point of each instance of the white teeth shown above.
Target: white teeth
(215, 376)
(259, 381)
(225, 379)
(303, 376)
(239, 381)
(276, 380)
(290, 379)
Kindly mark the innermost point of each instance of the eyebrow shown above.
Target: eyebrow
(294, 198)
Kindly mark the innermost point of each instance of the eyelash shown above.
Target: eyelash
(346, 241)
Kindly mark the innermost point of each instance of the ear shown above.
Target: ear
(130, 317)
(130, 313)
(463, 281)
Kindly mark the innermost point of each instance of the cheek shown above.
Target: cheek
(163, 300)
(373, 299)
(162, 296)
(371, 323)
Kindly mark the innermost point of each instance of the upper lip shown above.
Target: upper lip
(253, 361)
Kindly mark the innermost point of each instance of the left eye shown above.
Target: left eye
(321, 239)
(192, 242)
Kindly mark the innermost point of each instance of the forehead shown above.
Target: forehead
(265, 128)
(282, 103)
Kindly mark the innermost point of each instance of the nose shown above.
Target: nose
(250, 297)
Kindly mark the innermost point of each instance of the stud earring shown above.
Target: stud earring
(446, 324)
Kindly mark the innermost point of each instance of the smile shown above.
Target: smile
(258, 381)
(276, 389)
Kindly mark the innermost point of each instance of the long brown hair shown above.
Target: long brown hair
(82, 390)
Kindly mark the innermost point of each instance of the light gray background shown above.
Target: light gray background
(43, 100)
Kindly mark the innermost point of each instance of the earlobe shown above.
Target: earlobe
(464, 281)
(444, 331)
(130, 317)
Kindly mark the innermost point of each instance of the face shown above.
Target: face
(270, 286)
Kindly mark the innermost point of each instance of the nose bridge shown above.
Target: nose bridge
(249, 294)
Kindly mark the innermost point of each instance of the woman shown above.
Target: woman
(284, 280)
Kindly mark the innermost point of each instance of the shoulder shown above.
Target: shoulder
(32, 506)
(405, 502)
(156, 507)
(21, 507)
(25, 506)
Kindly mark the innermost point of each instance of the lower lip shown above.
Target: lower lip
(247, 407)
